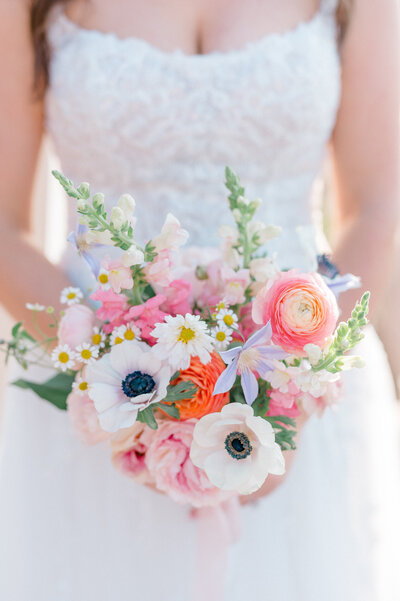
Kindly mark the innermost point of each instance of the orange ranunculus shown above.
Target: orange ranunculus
(204, 377)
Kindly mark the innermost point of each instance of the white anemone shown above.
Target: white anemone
(236, 449)
(127, 379)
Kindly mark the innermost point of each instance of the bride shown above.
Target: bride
(155, 98)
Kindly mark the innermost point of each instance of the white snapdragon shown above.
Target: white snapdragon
(117, 217)
(263, 269)
(314, 353)
(172, 235)
(133, 256)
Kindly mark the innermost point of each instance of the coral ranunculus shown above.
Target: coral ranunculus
(205, 378)
(301, 309)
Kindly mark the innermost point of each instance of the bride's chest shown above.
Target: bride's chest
(128, 96)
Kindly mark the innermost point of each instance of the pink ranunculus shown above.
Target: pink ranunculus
(113, 306)
(76, 326)
(234, 284)
(301, 309)
(170, 465)
(177, 295)
(83, 416)
(119, 275)
(158, 272)
(147, 315)
(128, 451)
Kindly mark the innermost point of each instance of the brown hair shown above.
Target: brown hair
(39, 12)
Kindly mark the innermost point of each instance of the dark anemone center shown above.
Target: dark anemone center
(138, 383)
(238, 445)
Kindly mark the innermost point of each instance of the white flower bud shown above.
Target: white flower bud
(83, 219)
(228, 233)
(117, 217)
(314, 353)
(236, 215)
(81, 204)
(127, 204)
(133, 256)
(98, 200)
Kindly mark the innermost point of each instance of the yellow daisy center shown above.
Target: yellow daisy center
(221, 336)
(129, 335)
(63, 357)
(221, 306)
(228, 320)
(71, 295)
(96, 338)
(86, 353)
(83, 386)
(118, 340)
(103, 278)
(186, 335)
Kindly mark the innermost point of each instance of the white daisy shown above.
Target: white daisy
(222, 337)
(71, 295)
(98, 338)
(80, 385)
(221, 305)
(35, 307)
(124, 381)
(86, 353)
(127, 332)
(181, 338)
(104, 279)
(236, 449)
(63, 357)
(227, 318)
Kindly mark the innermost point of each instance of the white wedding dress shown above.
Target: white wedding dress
(128, 117)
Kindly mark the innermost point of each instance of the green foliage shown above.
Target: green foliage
(347, 335)
(285, 431)
(183, 391)
(171, 410)
(146, 416)
(55, 390)
(243, 212)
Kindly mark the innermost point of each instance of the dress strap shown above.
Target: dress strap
(329, 6)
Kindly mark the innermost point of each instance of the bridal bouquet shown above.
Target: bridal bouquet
(192, 369)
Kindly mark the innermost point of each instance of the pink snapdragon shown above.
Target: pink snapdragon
(158, 272)
(147, 315)
(234, 284)
(113, 307)
(119, 275)
(177, 298)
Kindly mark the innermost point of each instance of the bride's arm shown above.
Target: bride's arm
(25, 274)
(365, 149)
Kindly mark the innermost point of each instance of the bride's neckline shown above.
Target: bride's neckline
(300, 27)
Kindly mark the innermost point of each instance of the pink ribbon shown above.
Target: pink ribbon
(218, 528)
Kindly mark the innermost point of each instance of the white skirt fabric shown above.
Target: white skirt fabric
(73, 529)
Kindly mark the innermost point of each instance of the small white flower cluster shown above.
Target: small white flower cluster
(226, 321)
(126, 332)
(64, 357)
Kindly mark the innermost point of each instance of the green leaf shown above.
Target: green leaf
(171, 410)
(15, 330)
(146, 416)
(183, 391)
(55, 390)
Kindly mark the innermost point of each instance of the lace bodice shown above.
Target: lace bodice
(129, 117)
